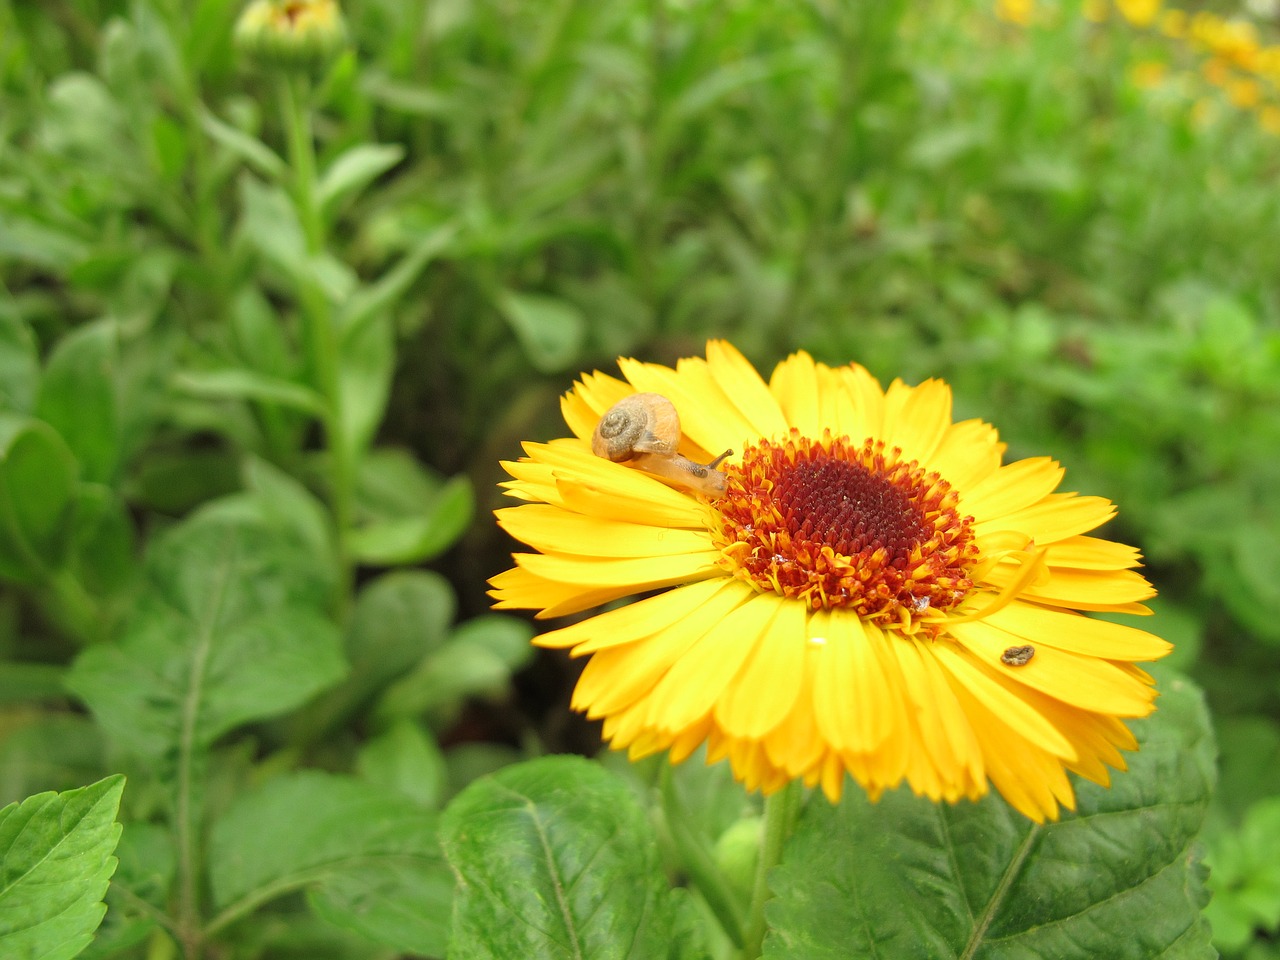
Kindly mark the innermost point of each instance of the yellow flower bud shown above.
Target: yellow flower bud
(291, 34)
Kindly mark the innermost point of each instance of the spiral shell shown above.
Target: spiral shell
(640, 423)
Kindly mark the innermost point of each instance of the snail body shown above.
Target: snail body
(643, 430)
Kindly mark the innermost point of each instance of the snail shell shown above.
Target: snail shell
(644, 431)
(640, 423)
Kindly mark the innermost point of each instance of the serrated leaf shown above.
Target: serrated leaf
(906, 877)
(38, 475)
(368, 857)
(353, 170)
(55, 864)
(550, 330)
(229, 629)
(556, 858)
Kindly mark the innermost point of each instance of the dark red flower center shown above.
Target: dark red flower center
(839, 525)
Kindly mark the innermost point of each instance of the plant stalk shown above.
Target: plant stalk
(780, 811)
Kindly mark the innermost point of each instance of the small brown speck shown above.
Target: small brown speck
(1018, 656)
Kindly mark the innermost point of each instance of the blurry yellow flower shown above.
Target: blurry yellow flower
(1173, 23)
(1095, 10)
(1141, 13)
(865, 589)
(1269, 118)
(1148, 73)
(1216, 71)
(1244, 93)
(1016, 11)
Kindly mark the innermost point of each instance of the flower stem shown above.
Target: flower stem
(779, 819)
(319, 330)
(697, 862)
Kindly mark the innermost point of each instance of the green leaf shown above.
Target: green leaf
(405, 758)
(372, 301)
(368, 857)
(906, 877)
(241, 384)
(1245, 877)
(551, 331)
(478, 660)
(78, 398)
(47, 750)
(19, 364)
(556, 858)
(353, 170)
(287, 503)
(37, 486)
(248, 148)
(423, 535)
(230, 629)
(55, 864)
(364, 380)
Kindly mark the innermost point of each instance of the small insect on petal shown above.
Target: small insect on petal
(1018, 656)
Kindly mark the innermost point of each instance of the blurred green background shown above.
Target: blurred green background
(1071, 213)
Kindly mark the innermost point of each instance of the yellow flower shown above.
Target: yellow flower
(863, 588)
(1016, 11)
(291, 33)
(1148, 73)
(1141, 13)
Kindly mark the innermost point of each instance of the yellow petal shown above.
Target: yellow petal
(1084, 682)
(1013, 487)
(1057, 517)
(744, 387)
(693, 685)
(636, 574)
(706, 416)
(920, 421)
(1093, 553)
(794, 386)
(968, 452)
(1074, 633)
(553, 530)
(764, 690)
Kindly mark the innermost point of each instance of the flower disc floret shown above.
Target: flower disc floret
(840, 525)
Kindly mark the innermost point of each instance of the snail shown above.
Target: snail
(643, 430)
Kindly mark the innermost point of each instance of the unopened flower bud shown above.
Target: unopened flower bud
(291, 34)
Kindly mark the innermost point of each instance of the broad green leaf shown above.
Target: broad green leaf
(55, 864)
(139, 891)
(368, 857)
(556, 858)
(405, 758)
(423, 535)
(77, 398)
(229, 629)
(906, 877)
(478, 660)
(19, 364)
(38, 476)
(287, 503)
(550, 330)
(241, 384)
(398, 618)
(353, 170)
(102, 538)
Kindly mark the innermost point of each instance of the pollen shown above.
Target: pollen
(843, 525)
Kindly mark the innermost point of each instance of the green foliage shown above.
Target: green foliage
(1120, 877)
(55, 863)
(263, 339)
(555, 858)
